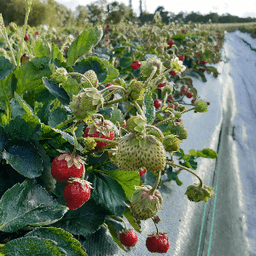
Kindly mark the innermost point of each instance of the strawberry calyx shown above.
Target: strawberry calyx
(76, 160)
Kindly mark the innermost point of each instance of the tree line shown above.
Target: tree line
(52, 13)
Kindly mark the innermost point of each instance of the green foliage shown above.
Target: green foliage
(28, 204)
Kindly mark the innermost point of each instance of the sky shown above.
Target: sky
(245, 8)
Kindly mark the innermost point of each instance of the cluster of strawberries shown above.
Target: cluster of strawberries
(156, 242)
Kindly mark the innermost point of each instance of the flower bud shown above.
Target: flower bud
(171, 143)
(92, 77)
(60, 75)
(148, 66)
(86, 103)
(136, 124)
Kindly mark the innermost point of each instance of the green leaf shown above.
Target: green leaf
(174, 176)
(83, 43)
(6, 87)
(56, 53)
(112, 72)
(92, 63)
(31, 246)
(83, 221)
(63, 240)
(6, 67)
(24, 158)
(28, 204)
(57, 138)
(71, 87)
(57, 91)
(125, 62)
(106, 112)
(30, 74)
(133, 221)
(57, 116)
(128, 180)
(41, 48)
(150, 109)
(117, 115)
(207, 153)
(108, 193)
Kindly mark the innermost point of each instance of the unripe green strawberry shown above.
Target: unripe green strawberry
(136, 124)
(201, 105)
(171, 143)
(91, 75)
(86, 103)
(196, 193)
(181, 132)
(60, 75)
(147, 67)
(181, 108)
(134, 152)
(90, 143)
(145, 205)
(168, 88)
(136, 90)
(13, 27)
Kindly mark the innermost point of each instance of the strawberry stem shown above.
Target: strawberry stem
(65, 123)
(75, 143)
(156, 129)
(152, 190)
(83, 76)
(185, 168)
(101, 140)
(139, 109)
(187, 110)
(157, 231)
(111, 88)
(151, 76)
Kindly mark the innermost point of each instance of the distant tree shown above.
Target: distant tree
(118, 12)
(164, 14)
(82, 15)
(95, 13)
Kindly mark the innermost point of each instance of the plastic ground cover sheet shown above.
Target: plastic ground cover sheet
(226, 225)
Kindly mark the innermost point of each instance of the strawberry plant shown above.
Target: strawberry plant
(79, 125)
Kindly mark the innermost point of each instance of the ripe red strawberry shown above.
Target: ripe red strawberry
(161, 85)
(26, 37)
(157, 242)
(203, 70)
(76, 193)
(208, 103)
(157, 103)
(136, 64)
(189, 94)
(171, 43)
(128, 238)
(173, 73)
(107, 40)
(193, 101)
(203, 62)
(172, 106)
(197, 54)
(36, 33)
(142, 171)
(91, 131)
(107, 27)
(183, 90)
(181, 57)
(170, 98)
(66, 166)
(183, 31)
